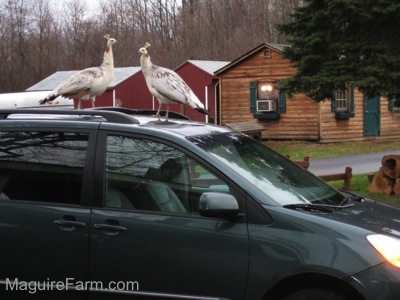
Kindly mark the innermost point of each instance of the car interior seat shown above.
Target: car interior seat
(115, 198)
(158, 196)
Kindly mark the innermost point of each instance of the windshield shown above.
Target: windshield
(276, 176)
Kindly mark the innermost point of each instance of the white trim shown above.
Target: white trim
(206, 100)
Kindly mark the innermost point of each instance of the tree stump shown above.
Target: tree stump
(396, 187)
(387, 179)
(380, 184)
(391, 166)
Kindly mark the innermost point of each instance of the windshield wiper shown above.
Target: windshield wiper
(353, 198)
(317, 207)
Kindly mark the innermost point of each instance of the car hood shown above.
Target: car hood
(370, 214)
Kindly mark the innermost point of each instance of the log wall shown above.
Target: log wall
(304, 119)
(390, 121)
(300, 121)
(333, 130)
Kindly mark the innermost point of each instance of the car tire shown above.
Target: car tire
(314, 294)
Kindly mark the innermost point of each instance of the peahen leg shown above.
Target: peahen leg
(166, 114)
(158, 111)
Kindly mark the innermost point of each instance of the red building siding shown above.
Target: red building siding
(132, 92)
(203, 85)
(129, 89)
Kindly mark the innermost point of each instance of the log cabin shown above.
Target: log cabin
(249, 92)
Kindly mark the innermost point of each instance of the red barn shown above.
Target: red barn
(128, 88)
(199, 75)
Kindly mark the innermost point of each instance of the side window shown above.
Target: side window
(147, 175)
(343, 99)
(266, 101)
(42, 166)
(394, 103)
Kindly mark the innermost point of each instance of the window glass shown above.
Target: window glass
(42, 166)
(148, 175)
(274, 175)
(267, 91)
(395, 103)
(267, 96)
(341, 99)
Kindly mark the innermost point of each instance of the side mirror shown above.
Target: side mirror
(218, 205)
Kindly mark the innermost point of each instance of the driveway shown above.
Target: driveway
(361, 164)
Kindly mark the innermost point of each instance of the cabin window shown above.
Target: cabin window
(265, 100)
(342, 102)
(394, 103)
(267, 53)
(267, 97)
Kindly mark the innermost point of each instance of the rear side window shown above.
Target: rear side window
(42, 166)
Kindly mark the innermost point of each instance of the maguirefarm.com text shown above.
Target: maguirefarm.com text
(68, 284)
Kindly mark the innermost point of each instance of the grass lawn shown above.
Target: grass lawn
(359, 185)
(299, 149)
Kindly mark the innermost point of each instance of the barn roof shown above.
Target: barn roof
(49, 83)
(209, 66)
(276, 47)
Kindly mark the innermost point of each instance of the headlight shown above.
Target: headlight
(387, 246)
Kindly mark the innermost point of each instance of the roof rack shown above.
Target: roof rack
(144, 112)
(110, 115)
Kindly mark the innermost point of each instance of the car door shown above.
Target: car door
(147, 237)
(43, 222)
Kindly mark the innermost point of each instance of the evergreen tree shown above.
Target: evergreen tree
(333, 42)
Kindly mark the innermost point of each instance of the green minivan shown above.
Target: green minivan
(112, 203)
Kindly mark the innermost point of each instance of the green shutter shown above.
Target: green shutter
(253, 96)
(333, 102)
(351, 99)
(281, 100)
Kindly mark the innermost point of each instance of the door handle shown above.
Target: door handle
(68, 225)
(109, 229)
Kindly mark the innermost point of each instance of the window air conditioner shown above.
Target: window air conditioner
(266, 105)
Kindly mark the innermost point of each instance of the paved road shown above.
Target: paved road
(361, 164)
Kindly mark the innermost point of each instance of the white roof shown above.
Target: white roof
(49, 83)
(210, 66)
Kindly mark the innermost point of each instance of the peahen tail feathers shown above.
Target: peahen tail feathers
(48, 98)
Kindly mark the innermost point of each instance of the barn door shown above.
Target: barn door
(372, 115)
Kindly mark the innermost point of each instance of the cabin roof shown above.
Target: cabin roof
(276, 47)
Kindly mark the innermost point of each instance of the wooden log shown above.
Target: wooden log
(391, 166)
(381, 184)
(396, 187)
(392, 159)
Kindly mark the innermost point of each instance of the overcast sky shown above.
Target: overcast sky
(91, 3)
